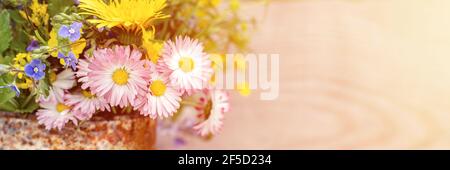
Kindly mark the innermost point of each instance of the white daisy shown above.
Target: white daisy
(116, 73)
(187, 65)
(213, 107)
(161, 99)
(85, 104)
(65, 80)
(55, 113)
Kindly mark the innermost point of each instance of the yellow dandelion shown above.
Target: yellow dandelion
(124, 13)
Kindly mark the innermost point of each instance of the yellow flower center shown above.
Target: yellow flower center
(186, 64)
(158, 88)
(207, 109)
(52, 77)
(61, 107)
(87, 94)
(120, 77)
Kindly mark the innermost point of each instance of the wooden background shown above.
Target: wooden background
(354, 74)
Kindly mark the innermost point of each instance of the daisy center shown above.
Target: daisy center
(87, 94)
(158, 88)
(61, 107)
(52, 77)
(207, 109)
(186, 64)
(120, 77)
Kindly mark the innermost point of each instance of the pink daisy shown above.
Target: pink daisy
(86, 104)
(187, 65)
(214, 105)
(160, 100)
(55, 113)
(118, 74)
(83, 70)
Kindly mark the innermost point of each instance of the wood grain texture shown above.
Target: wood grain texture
(361, 74)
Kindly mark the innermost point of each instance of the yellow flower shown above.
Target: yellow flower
(39, 13)
(235, 5)
(152, 48)
(53, 43)
(25, 85)
(213, 3)
(240, 63)
(218, 65)
(77, 47)
(125, 13)
(217, 61)
(153, 51)
(19, 63)
(244, 89)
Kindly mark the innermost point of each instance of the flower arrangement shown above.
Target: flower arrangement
(67, 61)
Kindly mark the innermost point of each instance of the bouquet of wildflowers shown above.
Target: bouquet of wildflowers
(67, 61)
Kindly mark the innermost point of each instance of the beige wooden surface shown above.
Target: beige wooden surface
(354, 74)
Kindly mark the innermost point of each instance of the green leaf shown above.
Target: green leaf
(58, 6)
(16, 17)
(27, 104)
(43, 87)
(19, 34)
(6, 94)
(8, 107)
(5, 60)
(5, 31)
(30, 108)
(20, 41)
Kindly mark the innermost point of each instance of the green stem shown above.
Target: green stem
(13, 103)
(27, 100)
(17, 71)
(62, 46)
(28, 18)
(39, 37)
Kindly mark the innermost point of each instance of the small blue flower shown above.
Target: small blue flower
(178, 142)
(13, 88)
(33, 45)
(73, 32)
(35, 69)
(70, 60)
